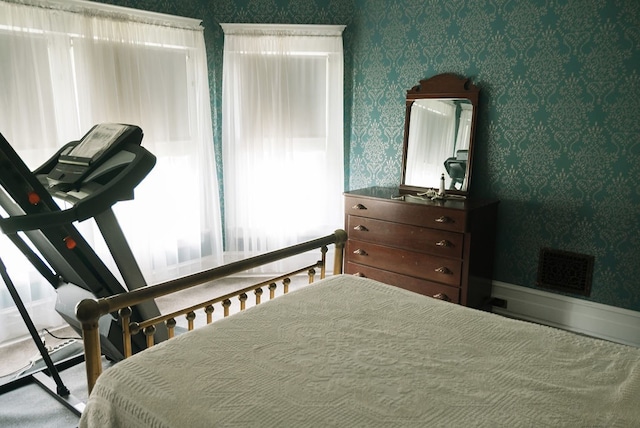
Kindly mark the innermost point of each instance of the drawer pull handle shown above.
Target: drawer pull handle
(361, 228)
(443, 243)
(442, 296)
(360, 252)
(359, 207)
(444, 219)
(444, 270)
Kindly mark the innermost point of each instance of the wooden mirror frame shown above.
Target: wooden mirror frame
(441, 86)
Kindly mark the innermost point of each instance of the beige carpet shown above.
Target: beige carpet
(19, 355)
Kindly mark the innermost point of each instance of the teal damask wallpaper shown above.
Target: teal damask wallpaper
(558, 138)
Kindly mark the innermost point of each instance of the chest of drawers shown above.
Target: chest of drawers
(440, 248)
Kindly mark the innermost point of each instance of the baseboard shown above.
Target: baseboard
(569, 313)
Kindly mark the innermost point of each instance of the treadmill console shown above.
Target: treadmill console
(91, 175)
(78, 159)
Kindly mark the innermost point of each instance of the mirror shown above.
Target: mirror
(438, 134)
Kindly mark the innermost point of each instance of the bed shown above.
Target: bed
(352, 352)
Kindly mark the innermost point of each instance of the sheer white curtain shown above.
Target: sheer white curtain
(69, 65)
(464, 126)
(282, 110)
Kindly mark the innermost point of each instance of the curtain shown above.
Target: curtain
(282, 109)
(464, 127)
(69, 65)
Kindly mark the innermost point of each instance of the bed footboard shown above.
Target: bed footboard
(89, 311)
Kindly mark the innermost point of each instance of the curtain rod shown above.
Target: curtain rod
(282, 29)
(103, 10)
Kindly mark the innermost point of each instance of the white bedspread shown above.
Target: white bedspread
(350, 352)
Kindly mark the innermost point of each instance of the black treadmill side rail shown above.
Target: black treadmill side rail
(83, 267)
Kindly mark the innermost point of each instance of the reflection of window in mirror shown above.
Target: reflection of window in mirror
(438, 142)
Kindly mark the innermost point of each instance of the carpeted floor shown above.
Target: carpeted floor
(21, 355)
(24, 403)
(29, 405)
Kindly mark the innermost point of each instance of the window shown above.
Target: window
(64, 70)
(282, 112)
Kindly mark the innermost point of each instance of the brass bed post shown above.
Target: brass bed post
(191, 317)
(272, 290)
(125, 319)
(323, 266)
(171, 327)
(148, 333)
(243, 301)
(88, 313)
(209, 309)
(311, 273)
(341, 239)
(226, 304)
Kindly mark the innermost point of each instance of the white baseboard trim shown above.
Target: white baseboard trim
(569, 313)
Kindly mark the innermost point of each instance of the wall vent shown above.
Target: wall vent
(565, 271)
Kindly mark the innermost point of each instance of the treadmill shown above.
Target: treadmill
(91, 174)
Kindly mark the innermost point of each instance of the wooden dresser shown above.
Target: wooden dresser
(441, 248)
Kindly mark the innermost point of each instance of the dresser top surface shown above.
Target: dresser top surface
(394, 194)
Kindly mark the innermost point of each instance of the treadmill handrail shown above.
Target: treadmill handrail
(26, 222)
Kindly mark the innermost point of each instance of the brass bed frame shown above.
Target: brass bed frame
(89, 311)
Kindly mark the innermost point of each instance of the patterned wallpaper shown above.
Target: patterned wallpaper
(558, 138)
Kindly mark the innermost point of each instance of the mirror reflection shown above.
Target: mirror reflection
(438, 142)
(439, 132)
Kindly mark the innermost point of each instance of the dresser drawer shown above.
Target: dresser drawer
(433, 268)
(416, 285)
(418, 214)
(430, 247)
(432, 241)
